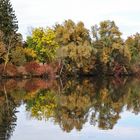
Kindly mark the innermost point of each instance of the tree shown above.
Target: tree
(2, 48)
(18, 56)
(8, 20)
(77, 59)
(70, 32)
(42, 41)
(133, 44)
(76, 51)
(7, 114)
(109, 45)
(8, 27)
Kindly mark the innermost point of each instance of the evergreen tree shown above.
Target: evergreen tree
(8, 20)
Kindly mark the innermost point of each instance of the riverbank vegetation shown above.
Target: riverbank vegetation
(70, 46)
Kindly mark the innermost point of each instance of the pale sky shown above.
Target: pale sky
(43, 13)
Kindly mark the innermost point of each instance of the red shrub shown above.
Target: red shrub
(41, 70)
(47, 69)
(11, 70)
(31, 67)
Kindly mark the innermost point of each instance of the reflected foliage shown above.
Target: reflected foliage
(99, 102)
(71, 103)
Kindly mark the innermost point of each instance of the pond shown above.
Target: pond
(70, 109)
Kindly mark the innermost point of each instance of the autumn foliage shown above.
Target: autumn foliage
(71, 49)
(29, 69)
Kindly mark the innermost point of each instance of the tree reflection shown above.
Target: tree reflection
(7, 115)
(71, 105)
(98, 101)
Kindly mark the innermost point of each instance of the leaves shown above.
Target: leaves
(18, 56)
(78, 57)
(133, 46)
(70, 32)
(109, 46)
(43, 44)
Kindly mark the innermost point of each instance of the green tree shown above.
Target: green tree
(8, 20)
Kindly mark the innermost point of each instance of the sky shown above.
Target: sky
(43, 13)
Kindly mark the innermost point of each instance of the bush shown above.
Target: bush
(10, 70)
(31, 67)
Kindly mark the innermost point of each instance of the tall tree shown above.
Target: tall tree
(109, 45)
(8, 20)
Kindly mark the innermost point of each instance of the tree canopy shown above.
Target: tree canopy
(8, 20)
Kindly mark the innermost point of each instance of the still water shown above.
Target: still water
(84, 109)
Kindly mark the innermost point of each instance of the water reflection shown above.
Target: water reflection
(70, 104)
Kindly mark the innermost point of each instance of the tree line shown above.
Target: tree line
(75, 49)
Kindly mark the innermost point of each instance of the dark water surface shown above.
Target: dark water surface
(84, 109)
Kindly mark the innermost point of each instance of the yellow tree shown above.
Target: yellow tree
(42, 41)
